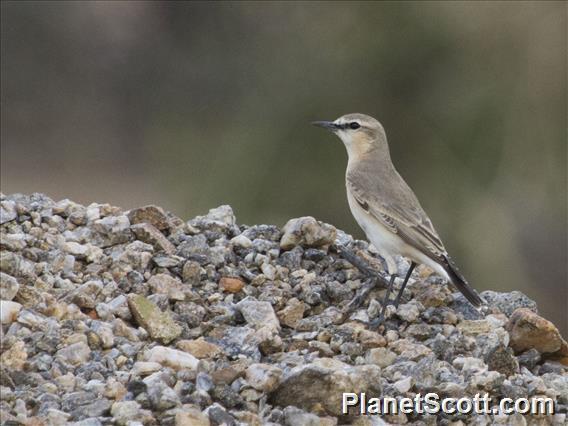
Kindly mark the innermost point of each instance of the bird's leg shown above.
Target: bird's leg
(375, 323)
(408, 274)
(387, 294)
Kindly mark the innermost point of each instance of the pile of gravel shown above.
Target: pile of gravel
(137, 317)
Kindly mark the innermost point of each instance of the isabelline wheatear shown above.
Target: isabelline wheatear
(386, 208)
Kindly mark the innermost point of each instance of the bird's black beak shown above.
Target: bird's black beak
(329, 125)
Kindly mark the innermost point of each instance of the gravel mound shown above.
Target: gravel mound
(113, 317)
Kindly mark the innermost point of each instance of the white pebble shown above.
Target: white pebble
(171, 358)
(9, 311)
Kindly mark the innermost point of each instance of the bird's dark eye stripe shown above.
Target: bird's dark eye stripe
(352, 125)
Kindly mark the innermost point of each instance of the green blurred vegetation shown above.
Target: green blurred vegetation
(192, 105)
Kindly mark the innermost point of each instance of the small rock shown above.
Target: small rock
(508, 302)
(151, 235)
(97, 408)
(168, 285)
(125, 412)
(308, 232)
(321, 385)
(219, 219)
(241, 241)
(502, 359)
(112, 230)
(199, 348)
(295, 417)
(231, 285)
(9, 311)
(145, 368)
(529, 330)
(152, 215)
(8, 287)
(159, 324)
(203, 382)
(75, 249)
(219, 416)
(292, 313)
(263, 377)
(191, 417)
(7, 211)
(433, 296)
(410, 350)
(161, 396)
(258, 314)
(237, 341)
(419, 331)
(15, 357)
(408, 312)
(529, 358)
(171, 358)
(329, 316)
(14, 242)
(75, 354)
(191, 272)
(403, 385)
(474, 327)
(382, 357)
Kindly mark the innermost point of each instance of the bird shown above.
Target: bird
(387, 209)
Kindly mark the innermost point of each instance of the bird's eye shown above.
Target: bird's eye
(354, 125)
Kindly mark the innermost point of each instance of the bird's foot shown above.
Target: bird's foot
(397, 300)
(386, 313)
(360, 297)
(376, 323)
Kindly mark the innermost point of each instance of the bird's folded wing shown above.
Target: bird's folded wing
(407, 220)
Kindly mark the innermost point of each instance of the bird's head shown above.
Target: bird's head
(359, 132)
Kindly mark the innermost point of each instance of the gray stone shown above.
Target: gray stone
(382, 357)
(171, 358)
(308, 232)
(124, 412)
(149, 234)
(218, 415)
(75, 354)
(508, 302)
(237, 341)
(152, 215)
(112, 230)
(14, 242)
(322, 384)
(220, 219)
(162, 397)
(159, 325)
(331, 315)
(502, 359)
(8, 286)
(7, 211)
(263, 377)
(295, 417)
(76, 349)
(258, 314)
(98, 408)
(168, 285)
(409, 312)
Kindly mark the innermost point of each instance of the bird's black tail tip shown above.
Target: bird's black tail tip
(461, 284)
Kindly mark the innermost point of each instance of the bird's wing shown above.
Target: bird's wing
(402, 214)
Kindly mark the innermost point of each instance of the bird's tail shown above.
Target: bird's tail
(461, 284)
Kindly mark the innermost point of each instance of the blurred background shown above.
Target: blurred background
(193, 105)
